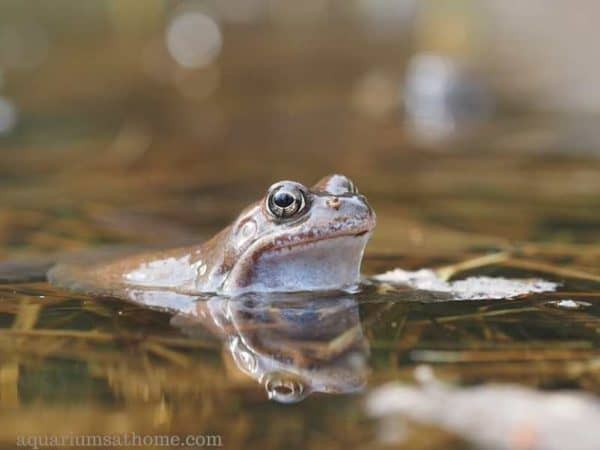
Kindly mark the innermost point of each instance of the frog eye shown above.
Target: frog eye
(285, 201)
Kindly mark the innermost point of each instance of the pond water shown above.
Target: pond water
(129, 163)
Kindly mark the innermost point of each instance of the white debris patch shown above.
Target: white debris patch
(472, 288)
(568, 304)
(499, 417)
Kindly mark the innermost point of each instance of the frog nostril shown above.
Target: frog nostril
(334, 202)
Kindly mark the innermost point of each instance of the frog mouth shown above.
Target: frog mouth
(361, 228)
(307, 241)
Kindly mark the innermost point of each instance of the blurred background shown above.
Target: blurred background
(187, 110)
(471, 126)
(163, 106)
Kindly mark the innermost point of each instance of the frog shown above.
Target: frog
(293, 239)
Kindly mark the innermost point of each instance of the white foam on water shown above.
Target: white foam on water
(472, 288)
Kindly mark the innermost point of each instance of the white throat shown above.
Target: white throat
(322, 265)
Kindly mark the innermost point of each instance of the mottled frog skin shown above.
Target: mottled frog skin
(293, 239)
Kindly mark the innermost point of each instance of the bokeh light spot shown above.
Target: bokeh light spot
(193, 39)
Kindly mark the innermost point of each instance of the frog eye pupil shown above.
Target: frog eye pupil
(285, 202)
(283, 199)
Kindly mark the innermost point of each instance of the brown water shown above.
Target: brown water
(105, 155)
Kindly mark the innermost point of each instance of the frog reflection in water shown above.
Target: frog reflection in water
(294, 239)
(292, 344)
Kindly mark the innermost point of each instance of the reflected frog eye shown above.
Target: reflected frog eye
(286, 201)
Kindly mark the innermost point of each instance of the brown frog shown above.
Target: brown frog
(294, 239)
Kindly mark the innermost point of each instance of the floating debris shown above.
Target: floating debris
(568, 304)
(496, 416)
(472, 288)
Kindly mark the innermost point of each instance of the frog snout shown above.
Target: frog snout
(334, 203)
